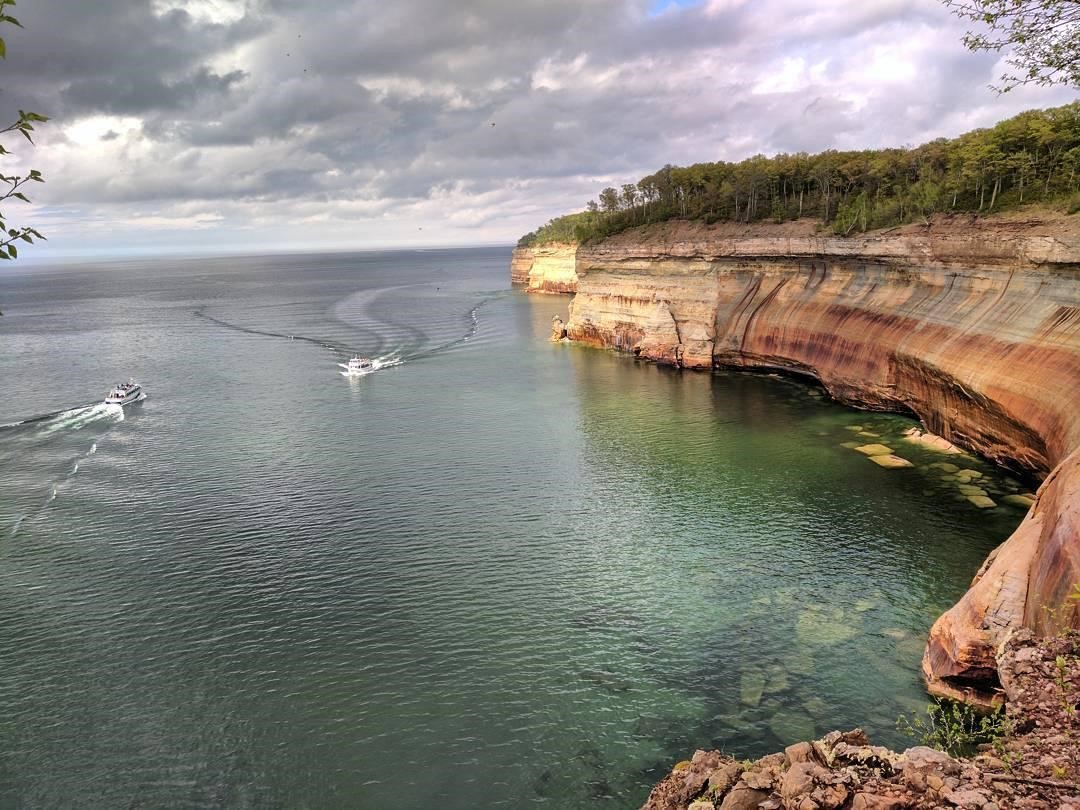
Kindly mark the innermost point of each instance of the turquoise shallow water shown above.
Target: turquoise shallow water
(502, 572)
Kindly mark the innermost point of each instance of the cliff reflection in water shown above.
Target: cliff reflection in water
(792, 581)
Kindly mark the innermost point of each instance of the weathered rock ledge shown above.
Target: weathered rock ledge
(1036, 766)
(971, 324)
(545, 268)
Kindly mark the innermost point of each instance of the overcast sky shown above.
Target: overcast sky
(292, 124)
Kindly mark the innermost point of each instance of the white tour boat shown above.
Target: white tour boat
(124, 393)
(358, 365)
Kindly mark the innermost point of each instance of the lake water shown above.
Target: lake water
(500, 572)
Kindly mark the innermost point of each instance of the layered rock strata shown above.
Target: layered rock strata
(545, 268)
(971, 324)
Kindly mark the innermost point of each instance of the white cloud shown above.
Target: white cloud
(357, 122)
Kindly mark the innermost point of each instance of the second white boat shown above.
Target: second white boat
(358, 365)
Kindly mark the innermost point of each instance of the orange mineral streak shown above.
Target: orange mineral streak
(971, 324)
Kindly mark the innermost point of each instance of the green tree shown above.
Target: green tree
(1042, 37)
(609, 200)
(1033, 157)
(14, 183)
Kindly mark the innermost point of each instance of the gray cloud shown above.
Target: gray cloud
(135, 93)
(364, 118)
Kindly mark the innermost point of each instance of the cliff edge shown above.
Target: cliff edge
(550, 268)
(972, 324)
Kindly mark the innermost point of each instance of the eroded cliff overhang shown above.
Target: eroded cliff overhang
(972, 325)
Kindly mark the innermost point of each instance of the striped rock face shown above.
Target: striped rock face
(973, 325)
(545, 268)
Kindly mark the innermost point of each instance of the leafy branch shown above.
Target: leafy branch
(1043, 37)
(24, 126)
(8, 236)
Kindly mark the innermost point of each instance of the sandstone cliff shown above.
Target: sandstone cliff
(545, 268)
(971, 324)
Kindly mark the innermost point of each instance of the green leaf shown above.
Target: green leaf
(13, 251)
(3, 49)
(4, 255)
(20, 195)
(26, 238)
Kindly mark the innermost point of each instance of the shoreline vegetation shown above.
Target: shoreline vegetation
(1033, 157)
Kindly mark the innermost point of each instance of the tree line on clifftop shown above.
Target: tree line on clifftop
(1033, 157)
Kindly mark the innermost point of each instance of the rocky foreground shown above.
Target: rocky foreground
(1035, 766)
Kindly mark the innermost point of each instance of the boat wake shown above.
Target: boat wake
(49, 436)
(473, 318)
(57, 421)
(325, 344)
(407, 341)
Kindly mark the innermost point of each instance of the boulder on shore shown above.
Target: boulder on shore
(558, 328)
(844, 771)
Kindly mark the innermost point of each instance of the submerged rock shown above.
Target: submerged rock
(791, 726)
(1023, 501)
(800, 661)
(982, 501)
(816, 706)
(945, 466)
(818, 627)
(891, 462)
(777, 682)
(873, 450)
(606, 679)
(931, 442)
(751, 687)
